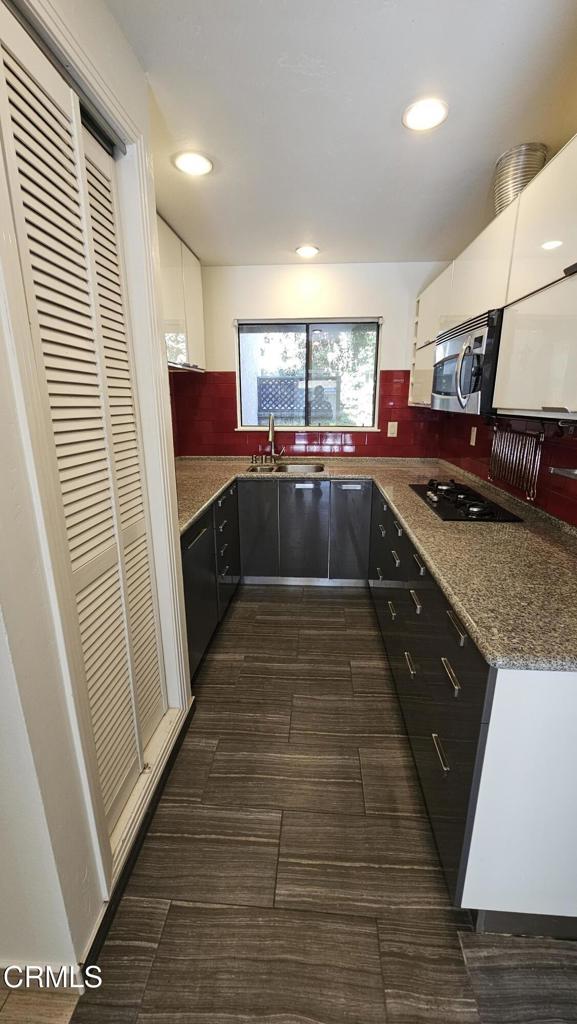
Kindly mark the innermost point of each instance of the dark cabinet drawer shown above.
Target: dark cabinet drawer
(227, 546)
(200, 588)
(392, 557)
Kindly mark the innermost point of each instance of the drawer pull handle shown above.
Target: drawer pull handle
(452, 676)
(385, 507)
(223, 549)
(392, 610)
(380, 574)
(440, 753)
(222, 525)
(396, 558)
(382, 529)
(457, 625)
(304, 487)
(225, 571)
(350, 487)
(417, 603)
(398, 528)
(197, 538)
(410, 665)
(420, 566)
(222, 500)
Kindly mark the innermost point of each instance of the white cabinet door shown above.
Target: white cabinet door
(193, 308)
(547, 213)
(172, 293)
(481, 272)
(537, 365)
(434, 305)
(422, 375)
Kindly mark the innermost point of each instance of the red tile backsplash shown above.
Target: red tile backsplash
(204, 421)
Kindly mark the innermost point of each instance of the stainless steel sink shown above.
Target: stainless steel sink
(264, 468)
(299, 467)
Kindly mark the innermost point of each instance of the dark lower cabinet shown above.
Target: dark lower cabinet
(200, 588)
(304, 512)
(227, 546)
(350, 529)
(258, 524)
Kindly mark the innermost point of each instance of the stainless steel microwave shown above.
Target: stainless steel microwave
(466, 364)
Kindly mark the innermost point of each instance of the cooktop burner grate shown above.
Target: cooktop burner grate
(454, 501)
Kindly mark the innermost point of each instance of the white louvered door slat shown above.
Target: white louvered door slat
(146, 659)
(42, 153)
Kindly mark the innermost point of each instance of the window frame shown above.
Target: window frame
(309, 322)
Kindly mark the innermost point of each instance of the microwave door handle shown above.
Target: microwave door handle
(462, 399)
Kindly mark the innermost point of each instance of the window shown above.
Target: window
(308, 374)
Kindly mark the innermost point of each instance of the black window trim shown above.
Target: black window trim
(307, 323)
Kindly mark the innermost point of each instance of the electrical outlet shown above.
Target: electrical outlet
(392, 428)
(473, 438)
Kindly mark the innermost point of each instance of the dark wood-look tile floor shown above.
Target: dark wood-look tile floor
(289, 875)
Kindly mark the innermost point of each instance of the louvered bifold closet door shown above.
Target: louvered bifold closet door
(40, 135)
(128, 471)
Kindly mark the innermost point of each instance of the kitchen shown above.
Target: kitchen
(303, 599)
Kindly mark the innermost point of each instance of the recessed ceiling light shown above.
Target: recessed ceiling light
(425, 114)
(554, 244)
(307, 251)
(194, 164)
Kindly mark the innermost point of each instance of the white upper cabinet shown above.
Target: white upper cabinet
(481, 272)
(537, 367)
(181, 296)
(434, 304)
(547, 213)
(422, 375)
(193, 308)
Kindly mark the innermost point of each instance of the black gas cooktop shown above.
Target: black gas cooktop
(454, 501)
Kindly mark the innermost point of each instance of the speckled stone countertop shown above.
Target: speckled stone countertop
(514, 585)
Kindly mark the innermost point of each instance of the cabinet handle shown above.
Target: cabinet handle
(452, 676)
(221, 501)
(396, 558)
(392, 610)
(420, 566)
(385, 507)
(223, 549)
(440, 753)
(382, 529)
(457, 625)
(351, 487)
(222, 525)
(410, 665)
(380, 574)
(398, 528)
(225, 571)
(304, 487)
(417, 603)
(198, 536)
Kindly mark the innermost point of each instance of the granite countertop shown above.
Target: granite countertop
(514, 585)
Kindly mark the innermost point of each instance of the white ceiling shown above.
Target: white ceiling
(299, 103)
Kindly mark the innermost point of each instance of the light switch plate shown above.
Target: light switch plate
(392, 428)
(473, 438)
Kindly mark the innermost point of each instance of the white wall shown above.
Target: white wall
(314, 290)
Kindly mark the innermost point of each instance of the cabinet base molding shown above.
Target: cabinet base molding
(506, 923)
(300, 581)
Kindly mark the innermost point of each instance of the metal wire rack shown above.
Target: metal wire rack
(515, 459)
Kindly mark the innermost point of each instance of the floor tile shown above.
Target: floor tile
(521, 980)
(125, 962)
(269, 594)
(424, 974)
(358, 721)
(264, 774)
(390, 781)
(262, 676)
(350, 642)
(202, 853)
(265, 641)
(357, 865)
(189, 773)
(32, 1007)
(244, 717)
(233, 965)
(221, 669)
(372, 675)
